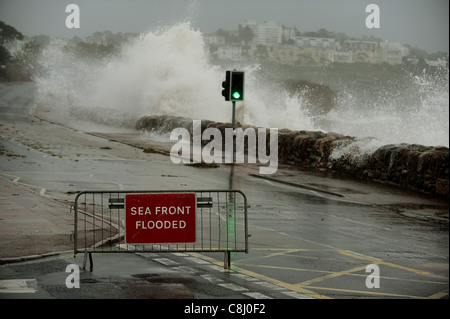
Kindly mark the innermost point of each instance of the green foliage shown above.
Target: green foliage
(25, 63)
(8, 33)
(84, 50)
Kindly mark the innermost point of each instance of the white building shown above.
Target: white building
(267, 33)
(213, 39)
(341, 56)
(394, 46)
(230, 52)
(436, 63)
(317, 43)
(288, 34)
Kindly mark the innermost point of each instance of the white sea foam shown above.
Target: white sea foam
(168, 72)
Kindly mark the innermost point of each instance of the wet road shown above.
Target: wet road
(314, 241)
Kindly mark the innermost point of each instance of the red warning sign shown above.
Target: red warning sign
(160, 218)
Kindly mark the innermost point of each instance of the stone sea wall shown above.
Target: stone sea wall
(410, 166)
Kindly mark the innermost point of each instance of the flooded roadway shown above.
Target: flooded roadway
(311, 234)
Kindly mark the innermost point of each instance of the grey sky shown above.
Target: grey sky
(421, 23)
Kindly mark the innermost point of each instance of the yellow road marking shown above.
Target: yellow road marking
(332, 275)
(371, 292)
(378, 261)
(306, 287)
(283, 284)
(439, 295)
(347, 274)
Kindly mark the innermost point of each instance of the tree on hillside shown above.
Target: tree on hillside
(8, 33)
(247, 34)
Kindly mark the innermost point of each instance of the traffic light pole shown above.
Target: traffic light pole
(233, 116)
(233, 125)
(233, 89)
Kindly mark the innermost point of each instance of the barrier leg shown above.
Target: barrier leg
(91, 263)
(84, 260)
(227, 260)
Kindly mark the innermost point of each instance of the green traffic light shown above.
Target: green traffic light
(236, 95)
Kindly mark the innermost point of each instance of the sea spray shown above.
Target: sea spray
(168, 72)
(161, 72)
(418, 113)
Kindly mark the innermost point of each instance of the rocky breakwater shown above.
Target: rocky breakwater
(410, 166)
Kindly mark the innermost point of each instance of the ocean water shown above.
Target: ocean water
(168, 72)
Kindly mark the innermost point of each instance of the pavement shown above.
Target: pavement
(34, 225)
(31, 225)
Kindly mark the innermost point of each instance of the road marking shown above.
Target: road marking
(269, 285)
(378, 261)
(245, 277)
(332, 275)
(355, 271)
(362, 292)
(185, 269)
(281, 283)
(233, 287)
(211, 278)
(439, 295)
(256, 295)
(166, 261)
(296, 295)
(13, 286)
(197, 260)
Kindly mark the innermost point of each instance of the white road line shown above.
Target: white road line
(166, 261)
(13, 286)
(217, 268)
(185, 269)
(198, 260)
(256, 295)
(233, 287)
(245, 277)
(269, 285)
(211, 278)
(296, 295)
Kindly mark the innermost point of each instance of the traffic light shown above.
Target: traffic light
(226, 86)
(237, 86)
(233, 86)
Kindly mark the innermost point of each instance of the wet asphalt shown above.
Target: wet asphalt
(313, 235)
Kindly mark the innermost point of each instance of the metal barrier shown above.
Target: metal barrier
(100, 223)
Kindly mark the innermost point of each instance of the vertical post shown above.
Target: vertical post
(84, 260)
(91, 262)
(233, 125)
(233, 116)
(227, 260)
(230, 212)
(75, 231)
